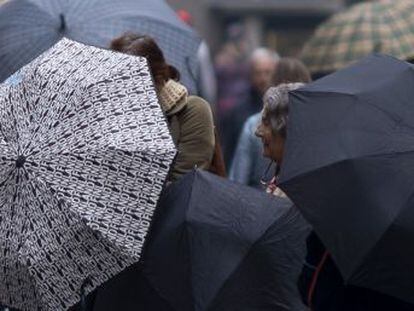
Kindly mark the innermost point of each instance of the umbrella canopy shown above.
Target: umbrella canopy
(385, 26)
(348, 166)
(29, 27)
(217, 245)
(84, 149)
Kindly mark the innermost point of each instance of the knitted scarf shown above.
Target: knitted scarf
(172, 94)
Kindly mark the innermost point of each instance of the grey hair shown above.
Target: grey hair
(276, 106)
(263, 52)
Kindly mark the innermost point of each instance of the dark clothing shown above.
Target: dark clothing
(86, 305)
(330, 293)
(130, 291)
(232, 123)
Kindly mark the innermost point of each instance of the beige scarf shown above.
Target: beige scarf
(172, 97)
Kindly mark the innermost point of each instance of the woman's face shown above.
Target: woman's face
(273, 144)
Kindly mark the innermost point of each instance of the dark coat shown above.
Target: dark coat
(330, 293)
(232, 123)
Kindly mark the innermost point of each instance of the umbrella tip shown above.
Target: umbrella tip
(83, 302)
(62, 23)
(377, 47)
(20, 161)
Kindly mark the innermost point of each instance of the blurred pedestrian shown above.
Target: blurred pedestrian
(206, 79)
(231, 69)
(291, 70)
(248, 165)
(262, 66)
(207, 86)
(272, 132)
(189, 117)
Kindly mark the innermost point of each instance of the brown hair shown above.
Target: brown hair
(218, 166)
(291, 70)
(145, 46)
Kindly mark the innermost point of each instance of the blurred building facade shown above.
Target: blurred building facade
(280, 24)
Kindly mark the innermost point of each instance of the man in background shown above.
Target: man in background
(248, 166)
(262, 66)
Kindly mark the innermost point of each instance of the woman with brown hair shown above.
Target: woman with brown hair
(291, 70)
(189, 117)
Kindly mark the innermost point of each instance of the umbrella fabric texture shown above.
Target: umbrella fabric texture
(218, 245)
(348, 166)
(29, 27)
(85, 150)
(385, 26)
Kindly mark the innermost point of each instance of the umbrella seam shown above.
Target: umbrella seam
(211, 304)
(195, 175)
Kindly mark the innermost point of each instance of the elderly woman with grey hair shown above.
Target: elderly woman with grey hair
(272, 128)
(248, 166)
(272, 131)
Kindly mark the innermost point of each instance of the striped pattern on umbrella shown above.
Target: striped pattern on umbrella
(385, 26)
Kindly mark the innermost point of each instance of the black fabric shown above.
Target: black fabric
(331, 293)
(348, 163)
(216, 245)
(87, 305)
(130, 291)
(328, 289)
(232, 123)
(266, 278)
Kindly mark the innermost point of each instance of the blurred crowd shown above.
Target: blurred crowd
(241, 76)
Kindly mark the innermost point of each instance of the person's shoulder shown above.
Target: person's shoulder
(250, 125)
(196, 100)
(196, 110)
(195, 103)
(254, 120)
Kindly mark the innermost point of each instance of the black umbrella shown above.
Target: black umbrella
(349, 165)
(216, 245)
(29, 27)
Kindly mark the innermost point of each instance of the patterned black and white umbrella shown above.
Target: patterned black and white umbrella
(84, 153)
